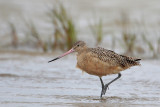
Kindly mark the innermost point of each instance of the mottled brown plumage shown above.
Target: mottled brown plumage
(100, 62)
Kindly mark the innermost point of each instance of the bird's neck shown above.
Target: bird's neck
(82, 50)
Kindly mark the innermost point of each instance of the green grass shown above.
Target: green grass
(65, 34)
(36, 37)
(155, 50)
(129, 41)
(97, 31)
(14, 36)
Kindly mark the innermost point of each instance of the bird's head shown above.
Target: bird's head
(78, 46)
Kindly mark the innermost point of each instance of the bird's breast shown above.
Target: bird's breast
(92, 65)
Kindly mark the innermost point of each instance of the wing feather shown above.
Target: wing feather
(113, 58)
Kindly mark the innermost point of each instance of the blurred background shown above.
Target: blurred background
(129, 27)
(33, 32)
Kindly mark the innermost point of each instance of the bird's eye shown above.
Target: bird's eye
(78, 45)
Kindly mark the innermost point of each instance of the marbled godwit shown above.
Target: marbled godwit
(100, 62)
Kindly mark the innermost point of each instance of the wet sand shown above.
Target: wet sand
(28, 80)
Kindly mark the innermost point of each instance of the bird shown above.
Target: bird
(100, 62)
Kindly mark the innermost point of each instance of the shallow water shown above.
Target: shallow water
(28, 80)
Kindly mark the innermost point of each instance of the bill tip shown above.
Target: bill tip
(53, 59)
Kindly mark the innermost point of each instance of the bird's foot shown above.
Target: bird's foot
(103, 92)
(106, 87)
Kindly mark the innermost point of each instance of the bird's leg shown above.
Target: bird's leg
(106, 85)
(102, 86)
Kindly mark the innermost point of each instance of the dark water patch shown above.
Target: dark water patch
(100, 105)
(5, 75)
(129, 100)
(76, 98)
(6, 102)
(118, 102)
(10, 58)
(53, 104)
(112, 105)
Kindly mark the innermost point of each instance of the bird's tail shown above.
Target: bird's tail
(133, 61)
(129, 61)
